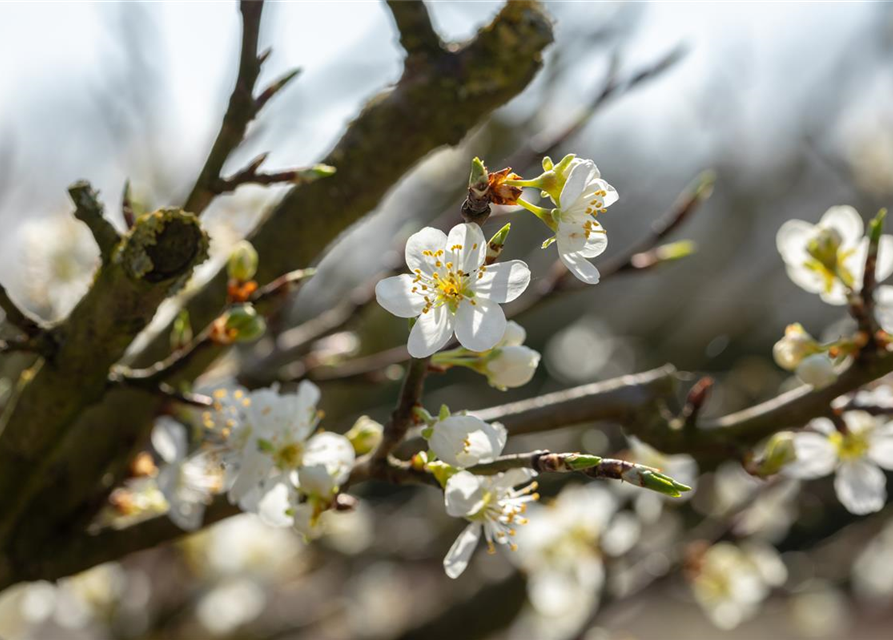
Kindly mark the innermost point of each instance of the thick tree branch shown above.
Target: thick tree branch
(154, 258)
(90, 211)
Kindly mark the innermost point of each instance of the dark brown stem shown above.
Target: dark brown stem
(241, 110)
(402, 417)
(417, 35)
(16, 317)
(89, 210)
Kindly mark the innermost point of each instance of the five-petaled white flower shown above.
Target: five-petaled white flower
(855, 456)
(492, 506)
(463, 441)
(511, 364)
(280, 454)
(187, 483)
(451, 289)
(828, 258)
(579, 236)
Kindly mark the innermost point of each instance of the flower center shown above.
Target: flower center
(447, 284)
(289, 456)
(850, 446)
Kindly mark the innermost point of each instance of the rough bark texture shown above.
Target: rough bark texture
(439, 98)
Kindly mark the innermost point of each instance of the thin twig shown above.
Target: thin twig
(417, 35)
(402, 417)
(89, 210)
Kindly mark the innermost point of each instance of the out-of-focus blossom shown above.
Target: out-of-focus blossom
(562, 552)
(855, 456)
(872, 578)
(817, 370)
(796, 344)
(731, 581)
(188, 482)
(231, 604)
(59, 257)
(828, 258)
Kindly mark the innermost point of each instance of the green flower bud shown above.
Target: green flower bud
(365, 435)
(244, 324)
(778, 453)
(242, 265)
(441, 471)
(580, 461)
(649, 478)
(480, 177)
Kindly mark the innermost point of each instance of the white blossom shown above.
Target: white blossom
(579, 236)
(188, 483)
(732, 581)
(276, 460)
(452, 290)
(796, 345)
(562, 552)
(855, 456)
(464, 441)
(492, 507)
(829, 257)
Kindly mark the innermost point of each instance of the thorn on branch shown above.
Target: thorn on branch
(274, 88)
(89, 210)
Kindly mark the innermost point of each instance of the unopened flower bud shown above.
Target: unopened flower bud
(779, 452)
(365, 435)
(796, 345)
(242, 265)
(649, 478)
(514, 335)
(817, 370)
(181, 332)
(512, 366)
(242, 323)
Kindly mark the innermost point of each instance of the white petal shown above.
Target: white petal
(860, 487)
(253, 468)
(579, 266)
(513, 477)
(463, 494)
(846, 221)
(479, 326)
(332, 450)
(463, 441)
(884, 307)
(274, 505)
(884, 267)
(880, 449)
(816, 456)
(396, 296)
(428, 239)
(579, 177)
(169, 439)
(459, 555)
(466, 247)
(308, 395)
(572, 237)
(822, 425)
(315, 480)
(791, 241)
(431, 332)
(503, 281)
(805, 278)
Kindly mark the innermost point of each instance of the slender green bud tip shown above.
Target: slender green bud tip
(479, 178)
(675, 250)
(876, 226)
